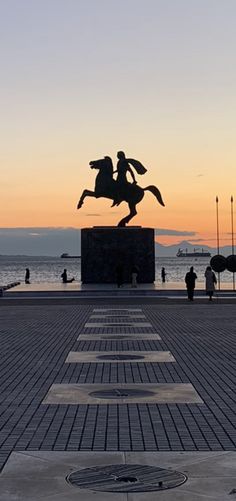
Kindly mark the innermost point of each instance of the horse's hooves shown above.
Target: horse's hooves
(79, 206)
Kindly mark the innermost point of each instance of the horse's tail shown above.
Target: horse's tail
(154, 190)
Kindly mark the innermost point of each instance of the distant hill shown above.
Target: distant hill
(171, 250)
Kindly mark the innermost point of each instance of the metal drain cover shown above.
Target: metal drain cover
(120, 357)
(126, 478)
(121, 393)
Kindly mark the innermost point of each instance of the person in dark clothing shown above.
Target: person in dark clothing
(190, 279)
(27, 276)
(163, 275)
(65, 280)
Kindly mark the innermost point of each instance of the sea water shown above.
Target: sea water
(49, 269)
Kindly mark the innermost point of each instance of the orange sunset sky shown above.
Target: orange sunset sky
(80, 80)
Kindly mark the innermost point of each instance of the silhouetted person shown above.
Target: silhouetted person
(65, 280)
(163, 275)
(134, 276)
(119, 275)
(210, 282)
(190, 279)
(27, 276)
(123, 167)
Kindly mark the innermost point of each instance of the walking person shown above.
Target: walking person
(27, 276)
(163, 275)
(134, 276)
(211, 281)
(190, 279)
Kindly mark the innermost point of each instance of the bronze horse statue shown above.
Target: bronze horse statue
(106, 186)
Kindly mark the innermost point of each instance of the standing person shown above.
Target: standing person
(134, 276)
(190, 279)
(163, 275)
(65, 280)
(210, 282)
(27, 276)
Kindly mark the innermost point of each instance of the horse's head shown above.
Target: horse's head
(103, 164)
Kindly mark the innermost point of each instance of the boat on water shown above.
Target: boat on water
(195, 253)
(65, 255)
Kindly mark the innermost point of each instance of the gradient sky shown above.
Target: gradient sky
(83, 79)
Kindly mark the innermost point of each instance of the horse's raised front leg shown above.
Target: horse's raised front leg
(86, 193)
(133, 212)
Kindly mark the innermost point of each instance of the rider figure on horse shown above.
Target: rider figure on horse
(119, 189)
(123, 168)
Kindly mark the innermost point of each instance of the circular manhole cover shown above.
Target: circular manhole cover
(121, 393)
(126, 478)
(120, 357)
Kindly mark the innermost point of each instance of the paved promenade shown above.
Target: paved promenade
(99, 384)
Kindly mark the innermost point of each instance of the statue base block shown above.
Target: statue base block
(105, 248)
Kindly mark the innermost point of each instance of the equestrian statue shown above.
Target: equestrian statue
(119, 189)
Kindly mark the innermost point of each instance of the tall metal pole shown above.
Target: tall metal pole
(232, 233)
(218, 235)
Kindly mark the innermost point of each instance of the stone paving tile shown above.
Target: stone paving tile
(116, 356)
(35, 341)
(121, 393)
(37, 475)
(117, 337)
(117, 310)
(117, 315)
(117, 323)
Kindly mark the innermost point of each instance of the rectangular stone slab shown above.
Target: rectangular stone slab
(126, 316)
(92, 356)
(90, 325)
(117, 309)
(41, 475)
(162, 393)
(125, 336)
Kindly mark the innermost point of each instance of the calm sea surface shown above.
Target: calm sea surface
(49, 269)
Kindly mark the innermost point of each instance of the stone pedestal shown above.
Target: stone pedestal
(104, 248)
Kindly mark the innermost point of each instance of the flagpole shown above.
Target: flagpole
(232, 233)
(218, 234)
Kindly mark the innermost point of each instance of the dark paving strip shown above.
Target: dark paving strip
(132, 344)
(36, 340)
(109, 300)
